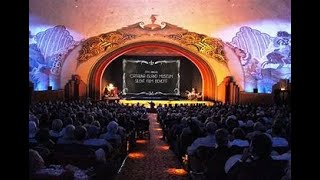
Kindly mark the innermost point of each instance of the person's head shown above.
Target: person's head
(276, 130)
(68, 121)
(36, 162)
(80, 133)
(32, 129)
(258, 126)
(80, 116)
(69, 132)
(238, 133)
(43, 135)
(249, 124)
(261, 145)
(34, 118)
(112, 127)
(89, 119)
(77, 123)
(231, 122)
(208, 119)
(222, 137)
(57, 125)
(92, 131)
(96, 123)
(211, 127)
(184, 120)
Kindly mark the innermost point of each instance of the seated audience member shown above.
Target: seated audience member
(277, 140)
(111, 134)
(208, 141)
(239, 138)
(287, 170)
(221, 153)
(67, 121)
(77, 147)
(45, 145)
(93, 139)
(80, 134)
(32, 132)
(43, 138)
(77, 123)
(55, 132)
(122, 132)
(189, 134)
(36, 162)
(256, 162)
(68, 136)
(34, 118)
(89, 120)
(97, 124)
(231, 123)
(248, 127)
(258, 128)
(239, 141)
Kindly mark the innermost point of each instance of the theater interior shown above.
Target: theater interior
(160, 89)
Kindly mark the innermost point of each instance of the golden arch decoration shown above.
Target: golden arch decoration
(107, 42)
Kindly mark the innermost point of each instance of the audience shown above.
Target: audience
(245, 123)
(101, 127)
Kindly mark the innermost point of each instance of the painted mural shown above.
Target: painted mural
(265, 59)
(46, 55)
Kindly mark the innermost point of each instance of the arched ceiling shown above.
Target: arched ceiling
(218, 18)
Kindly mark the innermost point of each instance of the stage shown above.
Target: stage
(146, 103)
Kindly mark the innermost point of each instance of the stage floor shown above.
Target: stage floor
(146, 103)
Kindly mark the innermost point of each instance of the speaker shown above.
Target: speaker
(49, 88)
(255, 90)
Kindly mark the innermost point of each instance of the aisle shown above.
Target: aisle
(152, 159)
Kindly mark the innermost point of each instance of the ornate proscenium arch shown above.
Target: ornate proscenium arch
(209, 82)
(96, 53)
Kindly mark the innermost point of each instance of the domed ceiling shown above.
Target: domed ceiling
(218, 18)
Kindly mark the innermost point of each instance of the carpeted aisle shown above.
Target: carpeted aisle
(152, 159)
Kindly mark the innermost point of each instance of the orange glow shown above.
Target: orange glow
(157, 129)
(136, 155)
(178, 172)
(159, 137)
(283, 89)
(164, 148)
(141, 141)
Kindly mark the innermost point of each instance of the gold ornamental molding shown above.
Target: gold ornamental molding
(211, 47)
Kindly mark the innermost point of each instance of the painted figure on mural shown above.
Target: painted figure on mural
(39, 70)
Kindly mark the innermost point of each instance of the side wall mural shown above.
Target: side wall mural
(265, 59)
(47, 51)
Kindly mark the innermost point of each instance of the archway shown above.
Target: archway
(209, 82)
